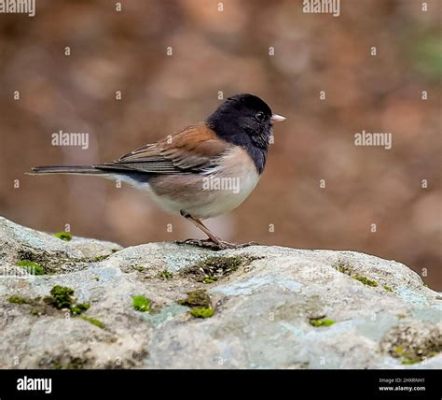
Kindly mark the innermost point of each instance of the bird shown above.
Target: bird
(202, 171)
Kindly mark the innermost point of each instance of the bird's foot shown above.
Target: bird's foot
(218, 245)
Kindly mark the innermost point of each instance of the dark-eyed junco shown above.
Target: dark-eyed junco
(202, 171)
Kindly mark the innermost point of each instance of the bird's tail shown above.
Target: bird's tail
(67, 169)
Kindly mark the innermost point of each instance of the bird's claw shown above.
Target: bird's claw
(219, 245)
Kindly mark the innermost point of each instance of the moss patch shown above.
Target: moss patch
(211, 269)
(202, 312)
(20, 300)
(408, 357)
(165, 275)
(80, 308)
(388, 288)
(200, 303)
(93, 321)
(412, 343)
(58, 262)
(141, 303)
(405, 358)
(197, 298)
(66, 236)
(100, 258)
(62, 361)
(344, 268)
(38, 306)
(365, 280)
(31, 267)
(321, 322)
(347, 269)
(61, 297)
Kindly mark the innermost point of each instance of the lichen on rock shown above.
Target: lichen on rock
(413, 342)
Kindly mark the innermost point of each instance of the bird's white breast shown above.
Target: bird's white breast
(230, 183)
(217, 191)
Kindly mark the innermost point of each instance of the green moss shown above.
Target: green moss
(66, 236)
(76, 363)
(321, 322)
(197, 298)
(61, 297)
(212, 268)
(14, 299)
(408, 355)
(38, 310)
(38, 307)
(388, 288)
(200, 303)
(100, 258)
(347, 269)
(406, 358)
(227, 264)
(166, 275)
(63, 361)
(53, 262)
(344, 268)
(141, 303)
(93, 321)
(138, 268)
(409, 361)
(31, 267)
(202, 312)
(365, 280)
(80, 308)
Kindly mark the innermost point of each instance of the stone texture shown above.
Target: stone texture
(265, 301)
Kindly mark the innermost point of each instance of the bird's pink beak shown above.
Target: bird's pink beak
(278, 118)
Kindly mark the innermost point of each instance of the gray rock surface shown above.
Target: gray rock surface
(273, 307)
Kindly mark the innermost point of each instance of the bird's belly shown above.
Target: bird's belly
(218, 191)
(221, 194)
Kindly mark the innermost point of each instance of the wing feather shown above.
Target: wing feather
(191, 150)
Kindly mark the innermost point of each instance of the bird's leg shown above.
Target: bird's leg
(205, 229)
(214, 241)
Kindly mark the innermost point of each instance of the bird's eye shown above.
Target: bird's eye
(259, 116)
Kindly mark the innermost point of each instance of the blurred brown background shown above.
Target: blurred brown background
(228, 51)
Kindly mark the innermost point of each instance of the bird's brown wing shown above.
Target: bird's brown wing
(191, 150)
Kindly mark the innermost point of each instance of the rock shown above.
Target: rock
(256, 307)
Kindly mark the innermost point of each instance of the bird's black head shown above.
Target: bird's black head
(245, 120)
